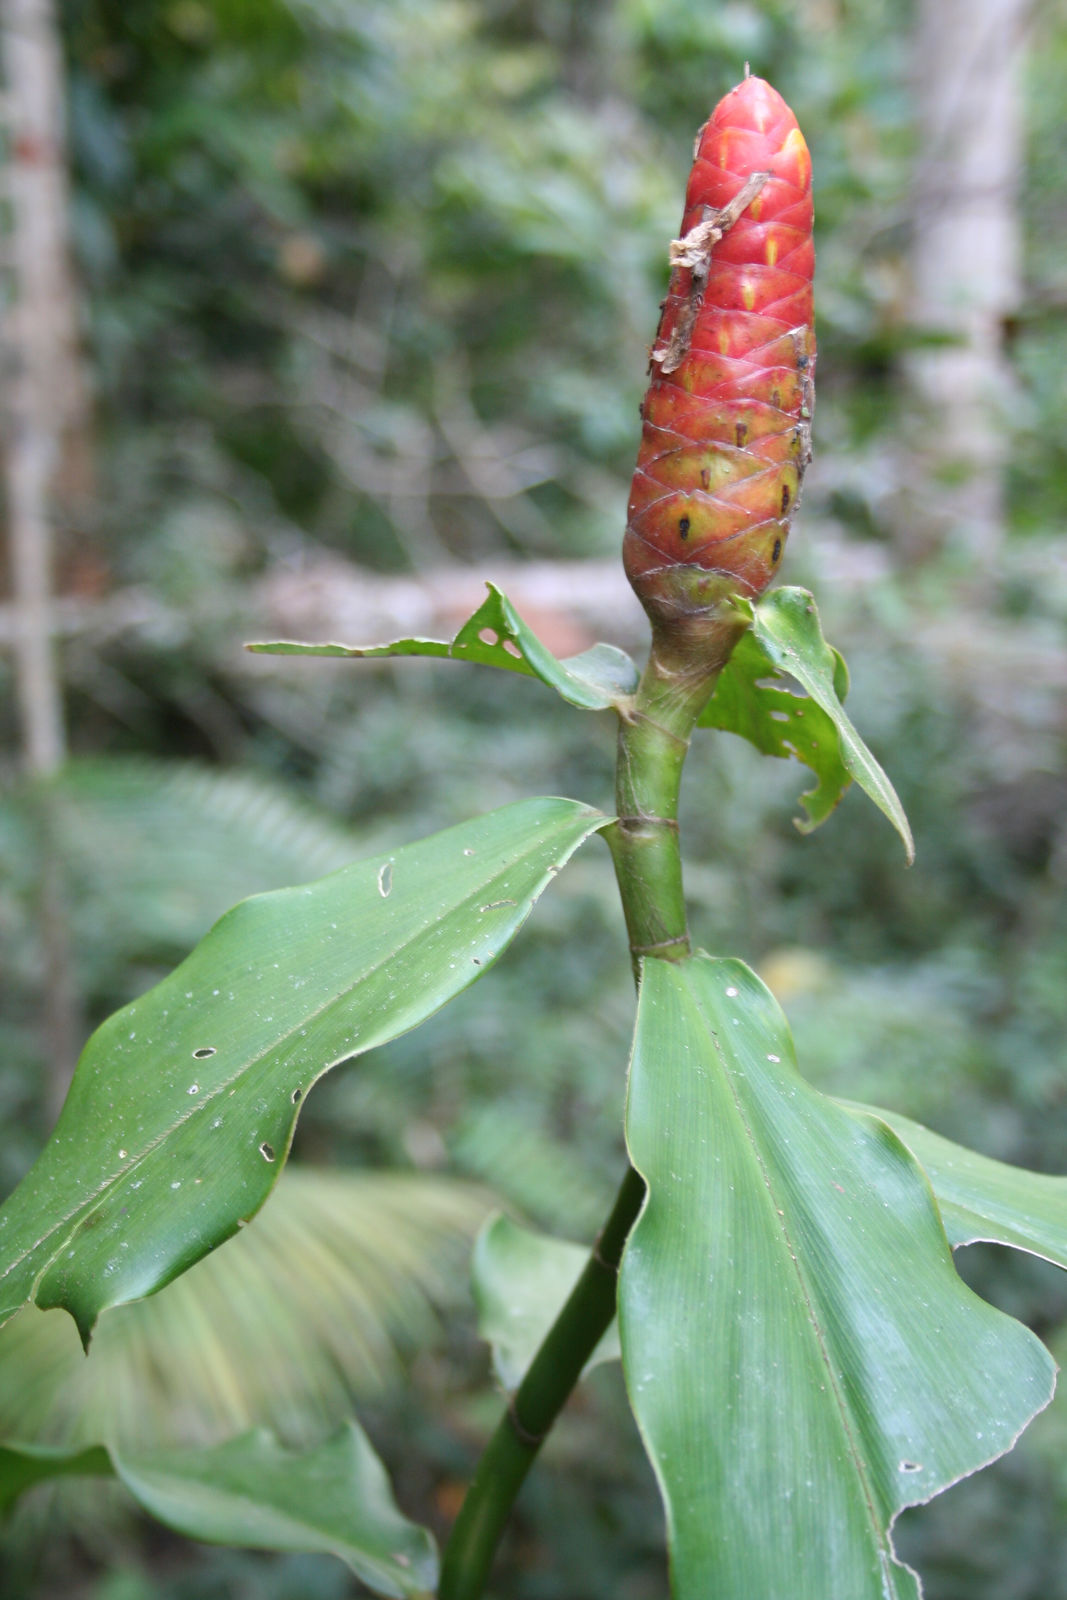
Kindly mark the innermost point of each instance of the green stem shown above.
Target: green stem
(536, 1403)
(654, 733)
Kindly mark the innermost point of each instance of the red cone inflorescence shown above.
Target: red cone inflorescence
(727, 415)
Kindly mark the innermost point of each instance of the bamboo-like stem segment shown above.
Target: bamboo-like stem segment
(654, 733)
(536, 1403)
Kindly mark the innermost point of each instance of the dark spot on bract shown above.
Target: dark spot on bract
(266, 1151)
(203, 1053)
(683, 527)
(776, 552)
(785, 498)
(776, 398)
(705, 477)
(802, 362)
(740, 433)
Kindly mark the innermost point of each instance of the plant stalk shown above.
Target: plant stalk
(654, 732)
(536, 1403)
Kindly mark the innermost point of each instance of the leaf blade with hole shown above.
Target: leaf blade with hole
(496, 636)
(823, 1365)
(183, 1105)
(786, 640)
(281, 1326)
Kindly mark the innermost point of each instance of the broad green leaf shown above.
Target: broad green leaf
(752, 699)
(183, 1105)
(496, 636)
(332, 1499)
(23, 1466)
(802, 1358)
(982, 1199)
(521, 1281)
(335, 1500)
(748, 701)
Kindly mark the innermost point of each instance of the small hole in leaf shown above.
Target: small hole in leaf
(910, 1466)
(203, 1053)
(489, 636)
(266, 1151)
(296, 1096)
(512, 649)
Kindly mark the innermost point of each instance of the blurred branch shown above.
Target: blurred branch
(498, 464)
(394, 454)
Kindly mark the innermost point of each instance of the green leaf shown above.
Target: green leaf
(334, 1499)
(496, 636)
(821, 1365)
(982, 1199)
(751, 699)
(24, 1465)
(521, 1281)
(183, 1105)
(779, 723)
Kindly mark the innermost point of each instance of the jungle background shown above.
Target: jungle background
(351, 310)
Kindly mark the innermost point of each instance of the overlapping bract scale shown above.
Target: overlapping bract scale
(726, 419)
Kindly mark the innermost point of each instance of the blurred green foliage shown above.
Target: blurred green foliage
(380, 277)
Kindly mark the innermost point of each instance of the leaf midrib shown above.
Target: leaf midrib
(779, 1219)
(85, 1206)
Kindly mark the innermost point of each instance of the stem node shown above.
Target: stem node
(654, 730)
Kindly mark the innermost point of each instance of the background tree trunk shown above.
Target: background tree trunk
(45, 405)
(966, 267)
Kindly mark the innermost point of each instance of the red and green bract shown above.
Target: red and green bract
(727, 416)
